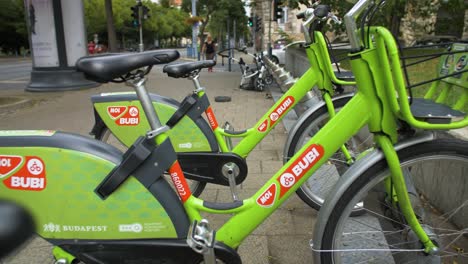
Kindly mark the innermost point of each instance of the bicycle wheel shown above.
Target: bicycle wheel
(106, 135)
(314, 191)
(268, 78)
(439, 172)
(259, 84)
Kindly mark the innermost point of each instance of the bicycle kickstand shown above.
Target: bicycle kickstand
(201, 239)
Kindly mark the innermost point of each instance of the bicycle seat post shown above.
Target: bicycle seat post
(146, 103)
(194, 78)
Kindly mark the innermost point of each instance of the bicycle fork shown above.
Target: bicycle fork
(404, 201)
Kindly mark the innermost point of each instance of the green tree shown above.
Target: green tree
(205, 8)
(164, 22)
(215, 13)
(232, 10)
(389, 15)
(110, 26)
(13, 27)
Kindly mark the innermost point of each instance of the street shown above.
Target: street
(14, 72)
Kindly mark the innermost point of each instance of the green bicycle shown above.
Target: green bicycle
(414, 196)
(192, 136)
(100, 217)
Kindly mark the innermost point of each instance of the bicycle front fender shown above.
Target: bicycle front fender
(123, 115)
(303, 118)
(351, 175)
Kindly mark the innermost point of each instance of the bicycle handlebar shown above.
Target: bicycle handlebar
(350, 21)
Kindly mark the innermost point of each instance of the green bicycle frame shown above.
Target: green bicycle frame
(320, 74)
(373, 105)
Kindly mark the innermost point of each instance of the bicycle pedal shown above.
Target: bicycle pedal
(231, 171)
(201, 239)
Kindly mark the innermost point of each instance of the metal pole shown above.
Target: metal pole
(254, 28)
(269, 33)
(234, 33)
(140, 14)
(141, 35)
(194, 30)
(229, 43)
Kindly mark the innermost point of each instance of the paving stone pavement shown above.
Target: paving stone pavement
(282, 238)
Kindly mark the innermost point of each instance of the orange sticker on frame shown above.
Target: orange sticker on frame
(116, 111)
(267, 198)
(179, 181)
(263, 126)
(130, 118)
(211, 118)
(30, 177)
(8, 164)
(299, 168)
(281, 109)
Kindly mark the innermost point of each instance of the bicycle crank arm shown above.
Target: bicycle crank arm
(214, 168)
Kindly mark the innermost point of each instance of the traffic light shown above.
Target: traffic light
(146, 14)
(277, 9)
(135, 15)
(250, 22)
(258, 23)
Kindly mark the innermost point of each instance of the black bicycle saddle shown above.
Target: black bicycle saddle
(184, 69)
(105, 68)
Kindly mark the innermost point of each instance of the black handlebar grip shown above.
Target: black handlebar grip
(322, 11)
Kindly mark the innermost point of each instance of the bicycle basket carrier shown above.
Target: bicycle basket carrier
(438, 109)
(448, 83)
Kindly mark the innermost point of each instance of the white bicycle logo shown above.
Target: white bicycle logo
(35, 166)
(274, 116)
(287, 180)
(134, 111)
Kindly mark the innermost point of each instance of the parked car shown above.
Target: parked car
(278, 52)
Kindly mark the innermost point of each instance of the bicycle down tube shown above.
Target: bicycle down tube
(252, 211)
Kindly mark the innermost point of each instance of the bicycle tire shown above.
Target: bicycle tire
(259, 84)
(106, 136)
(424, 162)
(222, 99)
(313, 192)
(268, 79)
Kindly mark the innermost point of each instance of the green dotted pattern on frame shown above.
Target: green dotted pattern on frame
(185, 136)
(68, 208)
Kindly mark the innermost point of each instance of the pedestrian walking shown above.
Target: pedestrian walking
(209, 50)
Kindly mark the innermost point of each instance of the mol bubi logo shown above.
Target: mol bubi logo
(29, 175)
(281, 109)
(299, 167)
(124, 115)
(267, 198)
(116, 111)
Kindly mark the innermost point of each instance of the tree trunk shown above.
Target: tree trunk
(395, 25)
(202, 29)
(398, 11)
(112, 45)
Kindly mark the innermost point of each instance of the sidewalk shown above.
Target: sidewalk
(282, 238)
